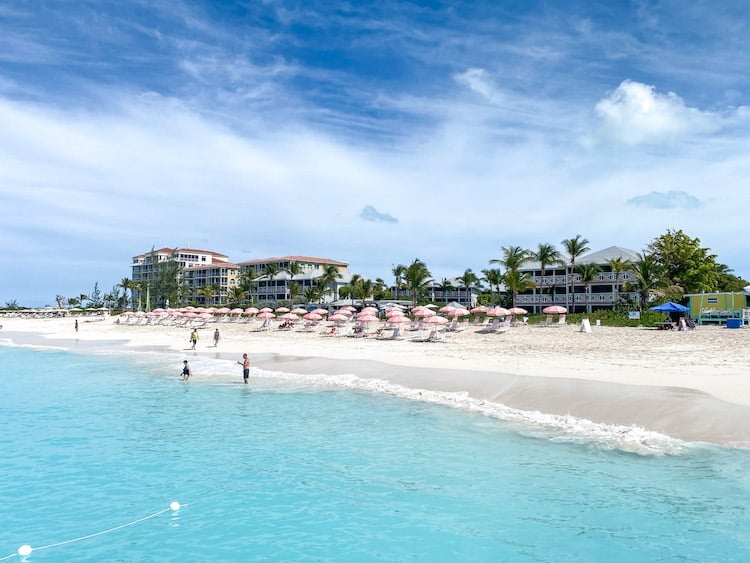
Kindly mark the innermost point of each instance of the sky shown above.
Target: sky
(369, 132)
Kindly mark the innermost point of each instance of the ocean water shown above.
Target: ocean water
(289, 470)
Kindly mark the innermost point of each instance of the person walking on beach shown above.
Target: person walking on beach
(217, 336)
(194, 338)
(245, 363)
(186, 373)
(76, 325)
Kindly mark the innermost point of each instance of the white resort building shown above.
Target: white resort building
(559, 287)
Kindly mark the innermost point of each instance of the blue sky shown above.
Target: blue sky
(371, 132)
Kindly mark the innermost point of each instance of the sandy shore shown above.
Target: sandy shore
(690, 385)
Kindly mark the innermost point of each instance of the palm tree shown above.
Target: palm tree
(312, 294)
(513, 258)
(469, 279)
(127, 284)
(617, 265)
(293, 269)
(208, 292)
(546, 254)
(294, 290)
(588, 273)
(361, 288)
(516, 281)
(328, 280)
(417, 277)
(494, 278)
(444, 286)
(398, 275)
(648, 277)
(237, 294)
(574, 247)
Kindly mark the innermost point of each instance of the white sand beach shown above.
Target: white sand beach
(692, 385)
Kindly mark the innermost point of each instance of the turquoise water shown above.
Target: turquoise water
(283, 471)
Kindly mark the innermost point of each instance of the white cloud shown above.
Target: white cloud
(478, 81)
(635, 113)
(666, 200)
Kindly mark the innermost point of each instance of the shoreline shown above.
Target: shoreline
(613, 376)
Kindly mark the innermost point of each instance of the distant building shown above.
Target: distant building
(559, 287)
(198, 268)
(221, 275)
(267, 288)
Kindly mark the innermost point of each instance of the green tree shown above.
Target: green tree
(574, 247)
(617, 266)
(469, 279)
(546, 254)
(327, 280)
(417, 278)
(684, 264)
(312, 294)
(60, 300)
(728, 281)
(12, 304)
(398, 277)
(513, 258)
(208, 292)
(294, 289)
(494, 279)
(361, 288)
(516, 281)
(588, 273)
(648, 278)
(237, 294)
(127, 285)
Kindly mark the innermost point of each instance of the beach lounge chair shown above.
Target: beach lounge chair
(546, 322)
(560, 322)
(393, 336)
(491, 326)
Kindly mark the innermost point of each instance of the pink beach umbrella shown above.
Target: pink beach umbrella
(299, 311)
(372, 310)
(480, 309)
(251, 311)
(191, 315)
(158, 310)
(398, 319)
(367, 319)
(236, 311)
(313, 317)
(423, 312)
(282, 309)
(517, 311)
(320, 312)
(554, 310)
(446, 309)
(266, 315)
(436, 320)
(266, 310)
(458, 313)
(205, 315)
(498, 312)
(338, 318)
(289, 317)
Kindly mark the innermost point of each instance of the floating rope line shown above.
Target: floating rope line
(26, 549)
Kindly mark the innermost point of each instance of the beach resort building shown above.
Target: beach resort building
(220, 276)
(196, 267)
(272, 278)
(557, 286)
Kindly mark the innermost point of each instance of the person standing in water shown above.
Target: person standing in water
(245, 363)
(186, 372)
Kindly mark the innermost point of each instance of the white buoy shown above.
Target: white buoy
(175, 505)
(24, 550)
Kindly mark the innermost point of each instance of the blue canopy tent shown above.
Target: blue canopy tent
(670, 307)
(674, 310)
